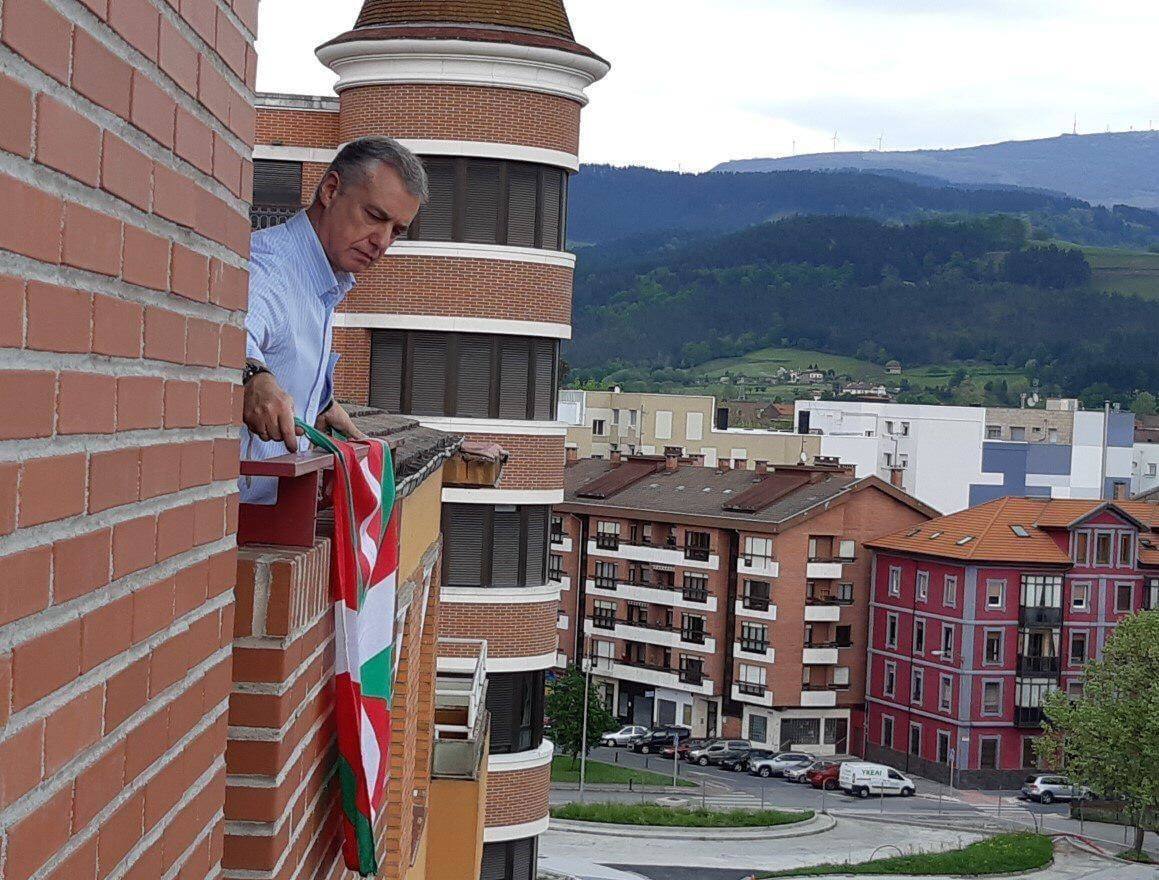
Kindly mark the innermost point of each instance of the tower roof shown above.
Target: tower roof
(543, 16)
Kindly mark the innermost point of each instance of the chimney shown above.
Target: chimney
(1120, 491)
(762, 467)
(724, 464)
(671, 462)
(740, 463)
(698, 459)
(895, 475)
(571, 455)
(616, 458)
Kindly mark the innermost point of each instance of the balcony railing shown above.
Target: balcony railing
(1028, 716)
(756, 603)
(1037, 665)
(700, 554)
(692, 675)
(751, 688)
(694, 594)
(754, 646)
(608, 542)
(829, 686)
(1040, 615)
(265, 216)
(829, 644)
(827, 599)
(695, 636)
(461, 717)
(557, 537)
(605, 583)
(602, 621)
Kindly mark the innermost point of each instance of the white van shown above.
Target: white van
(862, 779)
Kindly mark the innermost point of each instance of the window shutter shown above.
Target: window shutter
(552, 190)
(429, 374)
(494, 865)
(521, 205)
(523, 865)
(482, 208)
(277, 184)
(545, 360)
(505, 555)
(535, 570)
(463, 526)
(501, 692)
(513, 379)
(473, 378)
(435, 221)
(386, 348)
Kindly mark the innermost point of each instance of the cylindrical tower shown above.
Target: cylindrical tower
(461, 324)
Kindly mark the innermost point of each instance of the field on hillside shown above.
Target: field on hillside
(1119, 271)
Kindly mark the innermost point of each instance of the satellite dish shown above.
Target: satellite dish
(1032, 401)
(804, 457)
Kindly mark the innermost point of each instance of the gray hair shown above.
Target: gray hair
(354, 159)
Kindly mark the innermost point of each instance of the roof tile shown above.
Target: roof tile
(546, 16)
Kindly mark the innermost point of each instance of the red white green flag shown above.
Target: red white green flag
(364, 582)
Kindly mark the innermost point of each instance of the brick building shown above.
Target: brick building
(733, 601)
(460, 324)
(979, 614)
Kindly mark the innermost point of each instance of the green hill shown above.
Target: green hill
(1122, 271)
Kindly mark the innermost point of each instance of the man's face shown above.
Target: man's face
(362, 216)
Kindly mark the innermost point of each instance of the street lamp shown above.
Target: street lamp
(587, 660)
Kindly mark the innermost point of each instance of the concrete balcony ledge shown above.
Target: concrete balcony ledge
(655, 677)
(655, 595)
(563, 545)
(668, 638)
(762, 699)
(819, 656)
(768, 655)
(461, 717)
(818, 699)
(661, 554)
(823, 570)
(822, 613)
(769, 613)
(758, 566)
(563, 582)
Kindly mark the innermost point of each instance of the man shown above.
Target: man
(299, 273)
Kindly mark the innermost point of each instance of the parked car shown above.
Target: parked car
(728, 754)
(686, 745)
(623, 736)
(779, 763)
(799, 773)
(861, 779)
(757, 755)
(827, 777)
(1048, 788)
(655, 738)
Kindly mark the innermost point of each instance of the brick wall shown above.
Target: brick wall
(526, 629)
(535, 463)
(124, 172)
(517, 796)
(462, 113)
(297, 128)
(352, 373)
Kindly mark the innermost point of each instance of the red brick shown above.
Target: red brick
(38, 234)
(119, 833)
(228, 286)
(208, 521)
(230, 44)
(190, 586)
(40, 34)
(153, 110)
(137, 22)
(67, 141)
(9, 474)
(168, 664)
(86, 404)
(59, 319)
(227, 165)
(45, 663)
(92, 240)
(97, 785)
(180, 404)
(149, 864)
(139, 402)
(81, 564)
(126, 173)
(73, 728)
(226, 455)
(27, 399)
(147, 742)
(33, 839)
(160, 469)
(81, 863)
(212, 90)
(201, 343)
(100, 75)
(174, 195)
(11, 312)
(178, 58)
(232, 347)
(27, 577)
(113, 479)
(242, 116)
(189, 274)
(16, 111)
(152, 609)
(134, 545)
(20, 756)
(164, 335)
(196, 463)
(200, 17)
(216, 403)
(52, 488)
(99, 8)
(104, 633)
(174, 531)
(118, 325)
(6, 686)
(247, 13)
(126, 692)
(193, 141)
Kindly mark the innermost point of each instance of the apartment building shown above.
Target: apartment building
(600, 422)
(1145, 457)
(733, 601)
(953, 457)
(460, 324)
(978, 615)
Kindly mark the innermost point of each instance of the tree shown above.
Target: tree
(1108, 738)
(1143, 404)
(565, 708)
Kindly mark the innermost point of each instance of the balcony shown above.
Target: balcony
(561, 622)
(563, 581)
(1028, 716)
(748, 651)
(817, 697)
(696, 554)
(1038, 665)
(655, 676)
(656, 594)
(752, 693)
(819, 656)
(758, 566)
(663, 554)
(561, 542)
(757, 609)
(461, 718)
(821, 570)
(817, 613)
(1040, 615)
(649, 633)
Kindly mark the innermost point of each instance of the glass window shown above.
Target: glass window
(845, 593)
(947, 642)
(895, 581)
(887, 731)
(1081, 546)
(890, 686)
(995, 594)
(950, 591)
(515, 701)
(991, 697)
(604, 614)
(753, 637)
(1123, 596)
(917, 685)
(608, 535)
(800, 732)
(846, 550)
(758, 728)
(1103, 548)
(605, 575)
(494, 545)
(923, 585)
(1042, 591)
(915, 740)
(554, 567)
(841, 676)
(1080, 596)
(695, 587)
(993, 648)
(1078, 648)
(945, 693)
(891, 630)
(757, 548)
(1126, 549)
(844, 636)
(692, 628)
(919, 636)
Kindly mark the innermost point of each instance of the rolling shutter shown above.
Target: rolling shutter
(501, 703)
(552, 193)
(473, 377)
(545, 360)
(482, 207)
(463, 527)
(277, 184)
(521, 205)
(535, 568)
(386, 348)
(513, 378)
(429, 374)
(505, 544)
(523, 865)
(435, 220)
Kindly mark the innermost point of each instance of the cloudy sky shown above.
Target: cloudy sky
(694, 83)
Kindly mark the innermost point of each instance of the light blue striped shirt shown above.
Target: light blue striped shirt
(293, 292)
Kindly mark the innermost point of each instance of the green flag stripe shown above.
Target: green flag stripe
(375, 675)
(367, 860)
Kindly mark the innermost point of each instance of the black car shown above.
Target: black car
(655, 738)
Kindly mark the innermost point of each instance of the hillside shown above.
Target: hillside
(1133, 273)
(1103, 169)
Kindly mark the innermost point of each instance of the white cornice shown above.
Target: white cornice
(513, 427)
(472, 251)
(462, 62)
(431, 147)
(529, 760)
(546, 594)
(454, 324)
(503, 496)
(499, 664)
(501, 833)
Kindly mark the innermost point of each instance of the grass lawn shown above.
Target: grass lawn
(1002, 854)
(1115, 270)
(654, 814)
(563, 770)
(1132, 856)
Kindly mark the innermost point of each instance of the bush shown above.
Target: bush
(654, 814)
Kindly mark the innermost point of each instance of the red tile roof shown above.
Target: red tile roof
(545, 16)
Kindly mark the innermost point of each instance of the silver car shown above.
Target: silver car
(1048, 788)
(620, 737)
(778, 764)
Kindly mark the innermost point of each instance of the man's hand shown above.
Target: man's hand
(337, 419)
(268, 411)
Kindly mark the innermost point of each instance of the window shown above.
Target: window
(947, 642)
(1029, 755)
(991, 697)
(915, 739)
(890, 685)
(604, 614)
(494, 545)
(891, 630)
(556, 529)
(638, 613)
(1080, 597)
(844, 636)
(923, 585)
(691, 669)
(756, 595)
(1017, 433)
(845, 550)
(895, 581)
(943, 740)
(1126, 549)
(995, 595)
(692, 628)
(605, 576)
(599, 428)
(1151, 594)
(845, 593)
(1074, 689)
(277, 192)
(515, 701)
(608, 535)
(841, 676)
(950, 591)
(945, 693)
(989, 752)
(887, 731)
(695, 588)
(917, 685)
(800, 731)
(696, 545)
(919, 636)
(757, 549)
(1042, 591)
(758, 728)
(752, 679)
(468, 375)
(554, 567)
(1078, 648)
(992, 652)
(1081, 547)
(1103, 548)
(1123, 597)
(510, 860)
(1052, 435)
(993, 432)
(754, 637)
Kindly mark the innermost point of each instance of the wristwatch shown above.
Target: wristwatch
(253, 368)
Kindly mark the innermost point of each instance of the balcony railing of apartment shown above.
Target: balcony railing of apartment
(608, 542)
(690, 594)
(605, 583)
(828, 686)
(1028, 716)
(1038, 665)
(557, 537)
(827, 599)
(603, 621)
(695, 636)
(700, 554)
(461, 718)
(752, 560)
(1040, 615)
(693, 594)
(754, 646)
(756, 603)
(829, 644)
(751, 688)
(830, 557)
(692, 675)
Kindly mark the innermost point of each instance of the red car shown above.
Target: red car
(827, 777)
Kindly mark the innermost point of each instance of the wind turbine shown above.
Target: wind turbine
(1075, 128)
(834, 142)
(880, 138)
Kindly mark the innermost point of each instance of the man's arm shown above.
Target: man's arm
(267, 410)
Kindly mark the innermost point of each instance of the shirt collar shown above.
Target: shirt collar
(330, 287)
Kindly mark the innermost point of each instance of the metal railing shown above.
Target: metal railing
(1038, 665)
(756, 603)
(460, 708)
(751, 689)
(265, 216)
(1028, 716)
(1040, 615)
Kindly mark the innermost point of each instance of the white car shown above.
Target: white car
(778, 764)
(621, 736)
(862, 779)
